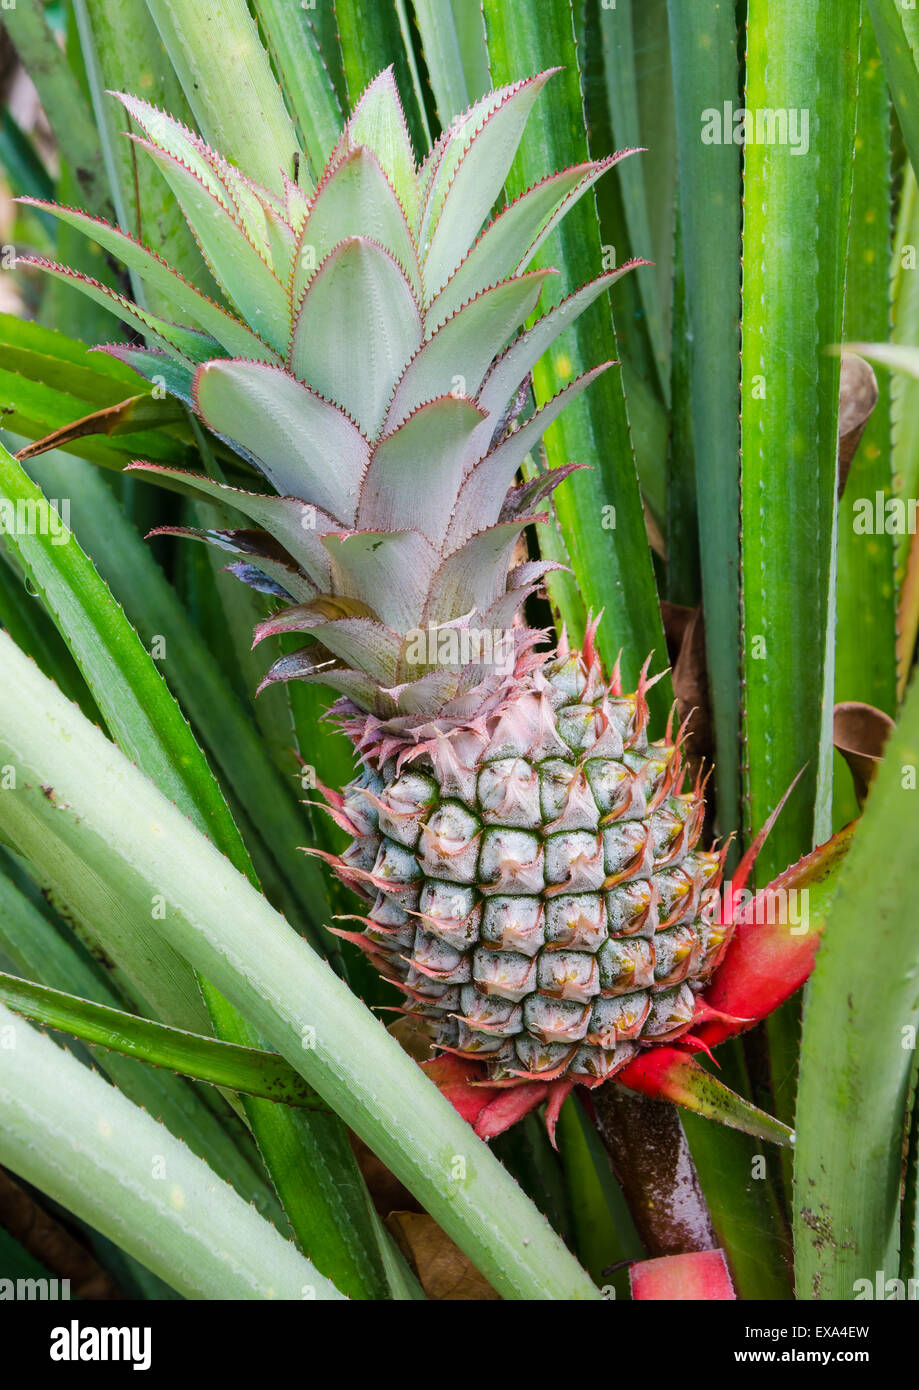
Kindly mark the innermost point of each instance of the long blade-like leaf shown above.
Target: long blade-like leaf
(703, 44)
(218, 56)
(61, 99)
(860, 1017)
(149, 726)
(110, 815)
(69, 1133)
(797, 186)
(600, 509)
(247, 1069)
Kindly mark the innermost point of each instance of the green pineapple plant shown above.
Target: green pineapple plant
(344, 345)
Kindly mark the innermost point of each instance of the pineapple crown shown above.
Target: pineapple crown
(360, 349)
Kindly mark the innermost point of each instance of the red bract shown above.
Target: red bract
(701, 1275)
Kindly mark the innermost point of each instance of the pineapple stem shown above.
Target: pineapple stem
(650, 1157)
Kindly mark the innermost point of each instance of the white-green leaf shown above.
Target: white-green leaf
(188, 344)
(475, 575)
(358, 325)
(476, 183)
(243, 273)
(78, 1139)
(459, 354)
(482, 494)
(356, 199)
(298, 526)
(232, 335)
(401, 490)
(512, 367)
(173, 138)
(379, 122)
(510, 242)
(307, 447)
(391, 571)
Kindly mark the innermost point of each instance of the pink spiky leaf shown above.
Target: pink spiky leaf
(667, 1073)
(771, 955)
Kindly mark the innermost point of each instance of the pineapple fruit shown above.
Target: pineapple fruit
(527, 857)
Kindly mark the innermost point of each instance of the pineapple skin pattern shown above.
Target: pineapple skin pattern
(534, 881)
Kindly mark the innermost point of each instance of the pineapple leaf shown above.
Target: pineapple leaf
(242, 271)
(291, 431)
(788, 589)
(296, 525)
(475, 184)
(291, 34)
(474, 576)
(704, 48)
(103, 809)
(484, 491)
(359, 283)
(155, 365)
(217, 53)
(510, 241)
(512, 367)
(391, 570)
(857, 1067)
(362, 642)
(70, 1133)
(247, 1069)
(399, 491)
(172, 138)
(440, 165)
(667, 1073)
(355, 195)
(184, 342)
(226, 330)
(263, 559)
(317, 663)
(457, 356)
(378, 121)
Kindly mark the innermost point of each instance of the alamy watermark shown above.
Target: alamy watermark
(766, 125)
(881, 515)
(34, 1290)
(36, 516)
(787, 907)
(461, 646)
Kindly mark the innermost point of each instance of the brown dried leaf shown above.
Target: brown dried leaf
(860, 732)
(858, 394)
(137, 413)
(676, 618)
(690, 686)
(443, 1271)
